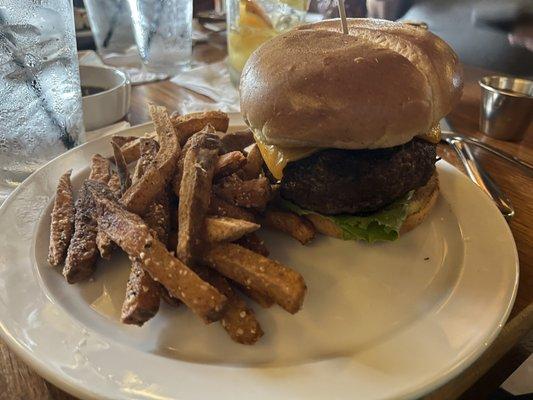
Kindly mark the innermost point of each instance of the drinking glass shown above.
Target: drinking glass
(163, 30)
(40, 106)
(252, 22)
(110, 22)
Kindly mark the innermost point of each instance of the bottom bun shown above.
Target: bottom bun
(419, 207)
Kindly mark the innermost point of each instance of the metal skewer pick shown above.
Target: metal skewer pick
(342, 13)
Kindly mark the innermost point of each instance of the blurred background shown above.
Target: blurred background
(491, 34)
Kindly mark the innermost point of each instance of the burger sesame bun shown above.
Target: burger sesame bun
(379, 86)
(419, 207)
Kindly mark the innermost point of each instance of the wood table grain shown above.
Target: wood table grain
(18, 381)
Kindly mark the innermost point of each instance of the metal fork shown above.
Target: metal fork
(527, 167)
(476, 172)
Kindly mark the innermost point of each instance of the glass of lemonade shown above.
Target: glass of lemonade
(252, 22)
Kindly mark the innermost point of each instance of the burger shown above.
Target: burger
(348, 123)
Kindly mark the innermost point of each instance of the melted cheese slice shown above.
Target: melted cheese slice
(277, 157)
(432, 136)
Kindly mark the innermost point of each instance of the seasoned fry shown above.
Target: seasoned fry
(130, 232)
(105, 245)
(223, 229)
(123, 140)
(188, 124)
(122, 168)
(148, 151)
(194, 195)
(187, 217)
(285, 286)
(114, 184)
(254, 193)
(254, 163)
(253, 242)
(142, 296)
(259, 298)
(229, 163)
(222, 208)
(132, 150)
(142, 292)
(167, 298)
(82, 252)
(62, 225)
(236, 141)
(238, 319)
(118, 183)
(145, 190)
(299, 228)
(100, 169)
(204, 138)
(158, 217)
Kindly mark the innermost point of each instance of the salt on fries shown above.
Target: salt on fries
(187, 217)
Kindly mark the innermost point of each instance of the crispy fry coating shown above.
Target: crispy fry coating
(253, 193)
(254, 162)
(282, 284)
(253, 242)
(114, 185)
(82, 252)
(236, 141)
(238, 319)
(148, 149)
(194, 196)
(188, 124)
(122, 168)
(100, 170)
(132, 234)
(229, 163)
(224, 229)
(222, 208)
(132, 150)
(62, 225)
(145, 190)
(299, 228)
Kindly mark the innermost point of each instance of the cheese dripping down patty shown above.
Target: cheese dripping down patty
(277, 157)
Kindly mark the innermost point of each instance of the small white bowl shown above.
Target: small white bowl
(111, 105)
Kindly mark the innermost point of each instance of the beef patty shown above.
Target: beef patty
(335, 181)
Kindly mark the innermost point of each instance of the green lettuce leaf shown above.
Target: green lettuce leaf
(383, 225)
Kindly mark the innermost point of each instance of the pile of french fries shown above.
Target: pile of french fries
(187, 218)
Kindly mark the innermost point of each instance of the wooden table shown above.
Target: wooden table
(20, 382)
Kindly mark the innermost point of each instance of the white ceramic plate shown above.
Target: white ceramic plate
(389, 320)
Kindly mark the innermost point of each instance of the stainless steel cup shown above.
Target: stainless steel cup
(506, 107)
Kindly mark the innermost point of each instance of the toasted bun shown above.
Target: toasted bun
(420, 205)
(379, 86)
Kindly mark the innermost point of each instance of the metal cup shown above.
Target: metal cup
(506, 107)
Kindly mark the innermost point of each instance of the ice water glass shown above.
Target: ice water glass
(40, 106)
(162, 31)
(110, 22)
